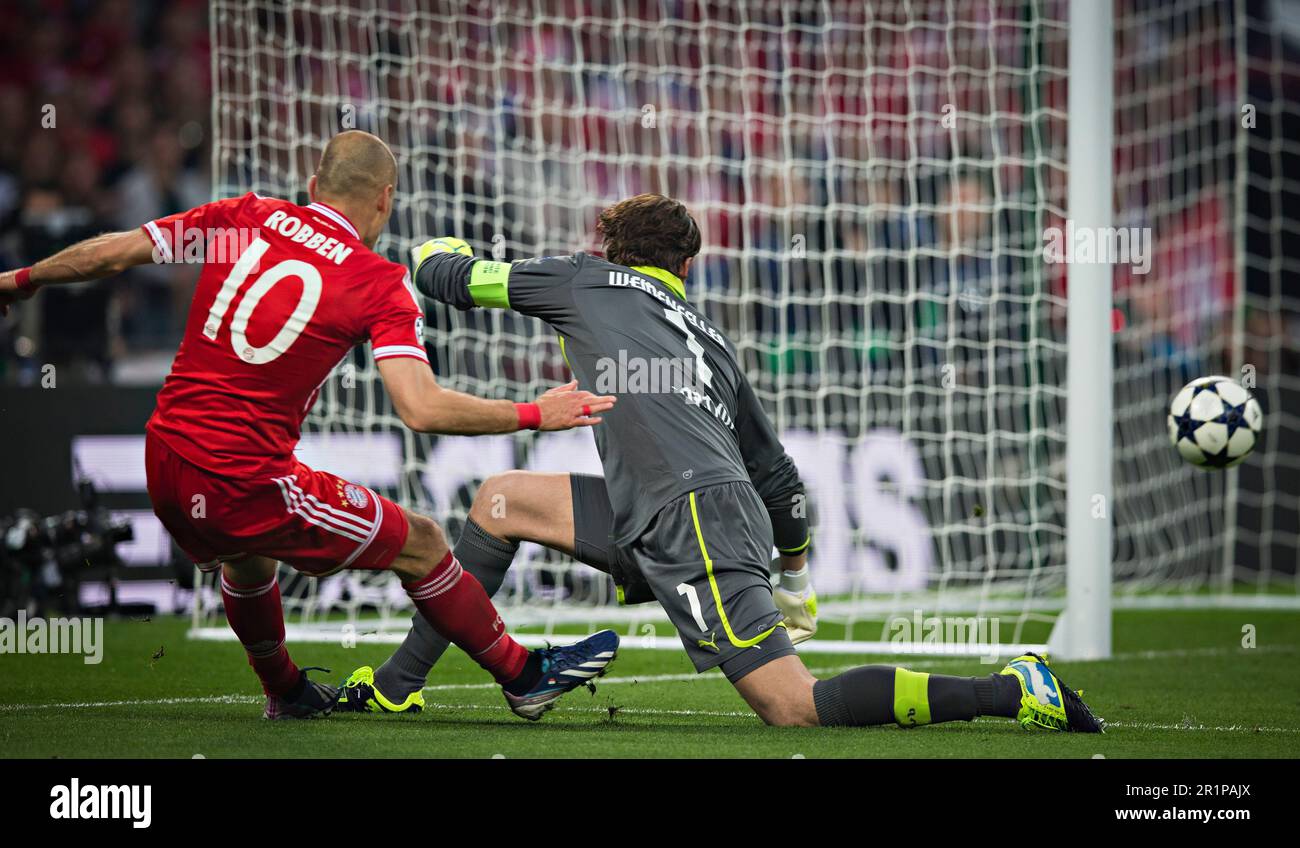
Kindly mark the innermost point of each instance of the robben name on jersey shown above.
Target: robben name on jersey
(268, 325)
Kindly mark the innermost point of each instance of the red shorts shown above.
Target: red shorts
(311, 520)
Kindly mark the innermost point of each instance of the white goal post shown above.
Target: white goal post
(1083, 630)
(878, 185)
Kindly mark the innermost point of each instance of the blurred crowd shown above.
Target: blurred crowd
(873, 180)
(106, 108)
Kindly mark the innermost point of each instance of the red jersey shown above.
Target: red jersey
(285, 293)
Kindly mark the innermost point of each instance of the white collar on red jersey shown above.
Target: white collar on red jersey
(334, 215)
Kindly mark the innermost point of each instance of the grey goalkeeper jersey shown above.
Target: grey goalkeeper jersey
(686, 417)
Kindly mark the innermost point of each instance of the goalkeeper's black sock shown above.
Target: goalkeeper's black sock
(482, 555)
(999, 695)
(884, 694)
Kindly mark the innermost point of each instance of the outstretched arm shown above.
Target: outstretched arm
(101, 256)
(427, 407)
(446, 270)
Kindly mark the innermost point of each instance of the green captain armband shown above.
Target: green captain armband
(489, 284)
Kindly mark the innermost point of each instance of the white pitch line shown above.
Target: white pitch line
(1183, 653)
(1230, 728)
(716, 676)
(646, 711)
(652, 711)
(680, 677)
(250, 699)
(649, 711)
(142, 702)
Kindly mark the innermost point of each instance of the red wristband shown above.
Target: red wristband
(530, 416)
(23, 279)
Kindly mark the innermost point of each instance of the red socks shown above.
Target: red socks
(455, 603)
(255, 614)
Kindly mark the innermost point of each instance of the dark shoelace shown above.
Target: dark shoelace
(1082, 716)
(324, 690)
(567, 654)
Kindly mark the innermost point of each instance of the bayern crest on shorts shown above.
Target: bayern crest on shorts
(356, 496)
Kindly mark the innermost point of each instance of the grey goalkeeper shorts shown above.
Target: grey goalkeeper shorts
(705, 558)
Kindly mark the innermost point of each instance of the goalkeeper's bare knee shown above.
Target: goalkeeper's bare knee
(781, 692)
(516, 506)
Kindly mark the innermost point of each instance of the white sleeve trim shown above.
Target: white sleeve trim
(155, 234)
(388, 351)
(410, 289)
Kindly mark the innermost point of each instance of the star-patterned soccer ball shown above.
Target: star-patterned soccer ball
(1214, 422)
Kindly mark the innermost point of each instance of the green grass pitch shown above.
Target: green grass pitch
(1181, 685)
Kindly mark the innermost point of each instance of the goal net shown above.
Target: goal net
(874, 182)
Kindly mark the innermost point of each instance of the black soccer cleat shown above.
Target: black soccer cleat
(309, 699)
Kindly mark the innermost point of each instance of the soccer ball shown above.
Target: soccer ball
(1214, 422)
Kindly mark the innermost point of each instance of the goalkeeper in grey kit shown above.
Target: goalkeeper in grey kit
(697, 491)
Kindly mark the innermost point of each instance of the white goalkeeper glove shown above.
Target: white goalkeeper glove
(797, 602)
(445, 244)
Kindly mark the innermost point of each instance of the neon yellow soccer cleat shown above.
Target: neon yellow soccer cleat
(359, 695)
(1047, 702)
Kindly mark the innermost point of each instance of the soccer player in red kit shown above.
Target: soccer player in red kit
(285, 293)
